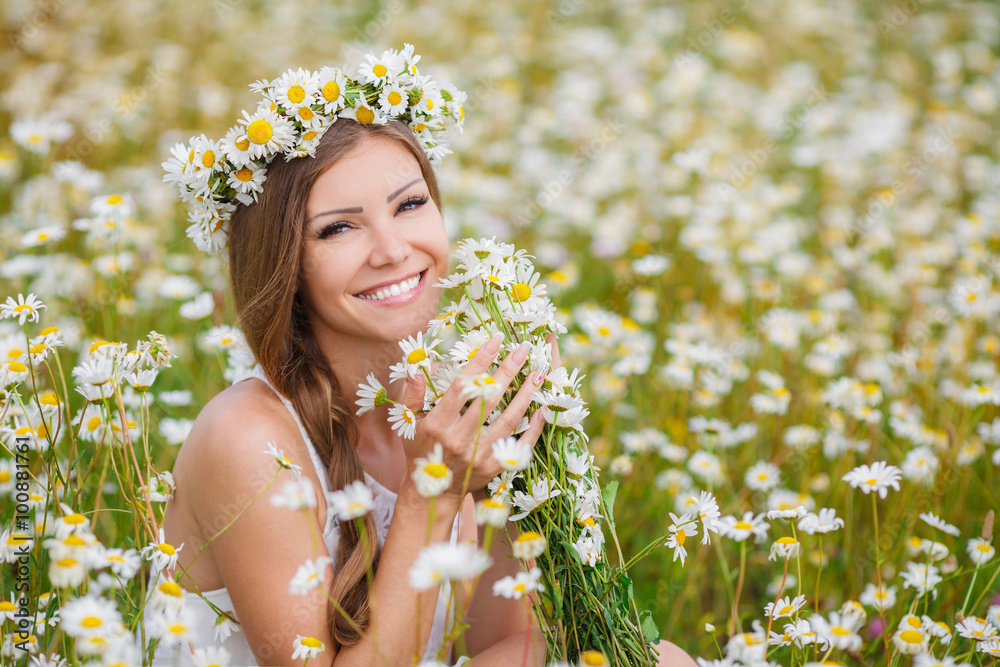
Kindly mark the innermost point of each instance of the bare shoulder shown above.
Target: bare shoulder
(224, 455)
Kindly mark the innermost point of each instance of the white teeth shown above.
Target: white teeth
(393, 290)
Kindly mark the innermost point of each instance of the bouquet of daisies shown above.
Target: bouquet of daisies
(584, 604)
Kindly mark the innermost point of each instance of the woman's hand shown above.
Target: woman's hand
(445, 423)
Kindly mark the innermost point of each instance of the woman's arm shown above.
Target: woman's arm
(259, 554)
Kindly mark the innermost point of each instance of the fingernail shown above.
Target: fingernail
(494, 343)
(540, 375)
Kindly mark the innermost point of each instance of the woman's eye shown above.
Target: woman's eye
(333, 230)
(411, 203)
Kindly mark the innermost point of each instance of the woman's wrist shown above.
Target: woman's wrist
(409, 500)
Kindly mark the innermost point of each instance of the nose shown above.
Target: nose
(389, 246)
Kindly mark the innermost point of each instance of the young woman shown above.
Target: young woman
(335, 263)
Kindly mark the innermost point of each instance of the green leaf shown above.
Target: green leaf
(650, 630)
(610, 491)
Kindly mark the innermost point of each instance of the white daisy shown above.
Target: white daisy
(523, 583)
(393, 100)
(878, 477)
(936, 522)
(309, 576)
(431, 475)
(370, 395)
(354, 500)
(25, 309)
(332, 86)
(980, 551)
(680, 529)
(363, 112)
(268, 132)
(403, 420)
(512, 454)
(442, 562)
(306, 648)
(296, 494)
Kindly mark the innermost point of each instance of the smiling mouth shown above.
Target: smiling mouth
(396, 289)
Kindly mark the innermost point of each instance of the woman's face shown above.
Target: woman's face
(374, 246)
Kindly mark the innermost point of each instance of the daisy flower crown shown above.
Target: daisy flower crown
(214, 176)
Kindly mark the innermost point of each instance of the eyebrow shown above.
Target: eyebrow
(358, 209)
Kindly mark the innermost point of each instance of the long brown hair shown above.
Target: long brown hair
(265, 243)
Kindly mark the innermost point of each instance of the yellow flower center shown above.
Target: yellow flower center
(911, 636)
(394, 98)
(743, 525)
(309, 136)
(416, 356)
(114, 200)
(311, 642)
(170, 588)
(296, 94)
(604, 331)
(66, 562)
(787, 609)
(680, 536)
(74, 519)
(17, 367)
(840, 630)
(528, 536)
(365, 115)
(243, 143)
(208, 159)
(521, 292)
(787, 540)
(305, 113)
(6, 606)
(872, 482)
(178, 628)
(593, 658)
(167, 549)
(93, 423)
(4, 476)
(520, 587)
(436, 470)
(260, 132)
(74, 541)
(913, 621)
(36, 349)
(331, 91)
(91, 622)
(244, 175)
(379, 70)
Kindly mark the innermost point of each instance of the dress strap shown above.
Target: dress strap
(317, 462)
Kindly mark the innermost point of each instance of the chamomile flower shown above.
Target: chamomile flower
(875, 478)
(364, 113)
(382, 69)
(741, 529)
(784, 547)
(309, 576)
(307, 648)
(976, 628)
(444, 561)
(492, 511)
(980, 551)
(332, 86)
(370, 395)
(279, 456)
(528, 545)
(212, 656)
(881, 598)
(402, 420)
(295, 495)
(680, 529)
(821, 523)
(89, 616)
(393, 100)
(24, 309)
(762, 476)
(542, 489)
(936, 522)
(910, 641)
(481, 386)
(785, 607)
(161, 553)
(418, 353)
(352, 501)
(296, 90)
(512, 454)
(521, 584)
(267, 131)
(431, 476)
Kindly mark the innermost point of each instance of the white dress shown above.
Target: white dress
(204, 617)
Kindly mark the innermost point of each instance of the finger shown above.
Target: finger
(505, 424)
(452, 400)
(553, 340)
(535, 425)
(413, 395)
(505, 373)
